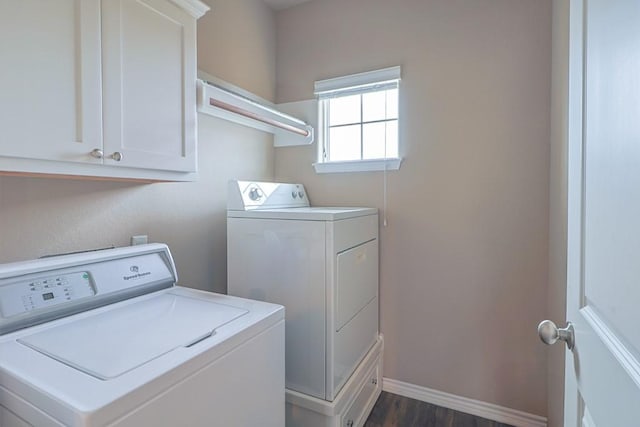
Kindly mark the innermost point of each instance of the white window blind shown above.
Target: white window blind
(386, 78)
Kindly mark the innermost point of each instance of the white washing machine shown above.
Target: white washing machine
(321, 263)
(106, 338)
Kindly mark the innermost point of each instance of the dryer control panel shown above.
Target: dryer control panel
(249, 195)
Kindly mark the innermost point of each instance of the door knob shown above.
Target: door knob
(97, 153)
(549, 333)
(117, 156)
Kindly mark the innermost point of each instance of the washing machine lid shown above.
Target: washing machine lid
(114, 342)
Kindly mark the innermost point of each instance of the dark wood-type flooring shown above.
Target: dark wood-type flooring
(399, 411)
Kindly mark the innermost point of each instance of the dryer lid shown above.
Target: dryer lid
(305, 214)
(116, 341)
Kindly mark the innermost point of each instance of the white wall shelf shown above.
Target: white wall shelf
(221, 99)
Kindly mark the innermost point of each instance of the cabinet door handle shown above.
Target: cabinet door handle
(117, 156)
(97, 153)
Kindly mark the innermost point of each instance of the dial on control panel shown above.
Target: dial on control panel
(297, 193)
(255, 194)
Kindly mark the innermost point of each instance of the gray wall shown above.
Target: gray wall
(236, 43)
(464, 259)
(42, 216)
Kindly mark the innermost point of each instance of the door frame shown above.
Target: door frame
(572, 402)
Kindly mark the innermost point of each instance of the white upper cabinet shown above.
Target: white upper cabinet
(99, 88)
(149, 69)
(50, 102)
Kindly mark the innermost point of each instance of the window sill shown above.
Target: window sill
(358, 166)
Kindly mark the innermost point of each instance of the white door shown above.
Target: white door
(603, 271)
(149, 79)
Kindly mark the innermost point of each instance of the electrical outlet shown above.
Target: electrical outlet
(139, 240)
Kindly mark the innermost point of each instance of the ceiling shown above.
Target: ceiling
(283, 4)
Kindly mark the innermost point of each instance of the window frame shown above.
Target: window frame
(354, 84)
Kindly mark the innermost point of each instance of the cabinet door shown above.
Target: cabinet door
(149, 85)
(50, 87)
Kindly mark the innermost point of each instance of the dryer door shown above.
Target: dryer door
(357, 281)
(356, 314)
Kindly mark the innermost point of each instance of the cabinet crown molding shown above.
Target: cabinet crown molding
(194, 7)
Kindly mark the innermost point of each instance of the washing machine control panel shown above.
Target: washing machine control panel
(45, 291)
(38, 291)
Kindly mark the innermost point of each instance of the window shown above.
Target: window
(359, 122)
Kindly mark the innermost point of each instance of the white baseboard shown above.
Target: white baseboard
(463, 404)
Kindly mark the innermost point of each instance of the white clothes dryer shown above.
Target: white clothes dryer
(107, 338)
(321, 263)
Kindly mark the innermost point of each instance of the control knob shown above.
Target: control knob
(255, 194)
